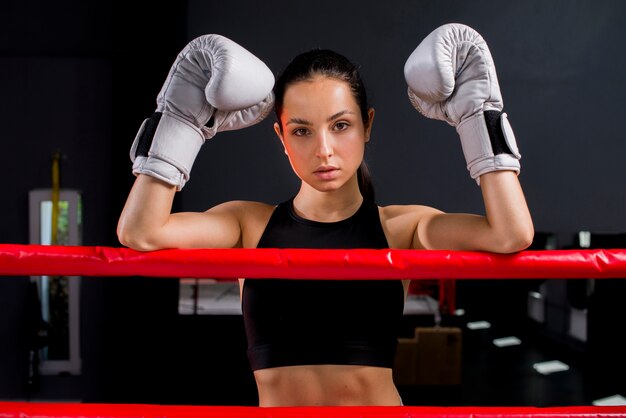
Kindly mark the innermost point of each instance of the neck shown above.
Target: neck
(330, 206)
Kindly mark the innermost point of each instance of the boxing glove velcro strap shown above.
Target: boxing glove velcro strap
(488, 144)
(141, 145)
(172, 148)
(500, 133)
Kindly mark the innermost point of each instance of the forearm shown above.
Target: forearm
(509, 223)
(146, 212)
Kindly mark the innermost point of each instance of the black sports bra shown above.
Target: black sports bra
(312, 322)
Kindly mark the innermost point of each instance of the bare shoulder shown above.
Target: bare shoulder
(251, 216)
(400, 222)
(242, 208)
(399, 211)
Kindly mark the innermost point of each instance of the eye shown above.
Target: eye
(300, 132)
(341, 126)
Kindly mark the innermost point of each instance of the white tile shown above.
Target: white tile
(506, 341)
(478, 325)
(548, 367)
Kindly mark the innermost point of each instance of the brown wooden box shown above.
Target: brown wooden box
(431, 357)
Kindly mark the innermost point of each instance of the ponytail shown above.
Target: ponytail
(366, 185)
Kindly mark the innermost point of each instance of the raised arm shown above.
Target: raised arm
(214, 85)
(506, 228)
(147, 224)
(451, 77)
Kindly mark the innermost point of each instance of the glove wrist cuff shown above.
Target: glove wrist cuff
(159, 169)
(172, 148)
(488, 143)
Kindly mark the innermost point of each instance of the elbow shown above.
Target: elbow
(518, 240)
(135, 239)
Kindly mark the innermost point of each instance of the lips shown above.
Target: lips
(326, 172)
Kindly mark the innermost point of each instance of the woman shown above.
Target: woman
(325, 342)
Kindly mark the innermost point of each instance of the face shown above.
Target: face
(323, 132)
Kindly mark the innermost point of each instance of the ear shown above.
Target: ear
(279, 134)
(370, 122)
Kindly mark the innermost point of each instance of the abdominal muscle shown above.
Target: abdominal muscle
(326, 385)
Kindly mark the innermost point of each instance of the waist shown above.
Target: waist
(319, 385)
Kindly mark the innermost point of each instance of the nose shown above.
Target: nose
(324, 145)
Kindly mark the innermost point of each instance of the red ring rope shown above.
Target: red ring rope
(37, 260)
(45, 410)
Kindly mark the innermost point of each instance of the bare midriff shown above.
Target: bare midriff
(326, 385)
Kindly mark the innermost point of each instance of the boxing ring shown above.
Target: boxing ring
(28, 410)
(38, 260)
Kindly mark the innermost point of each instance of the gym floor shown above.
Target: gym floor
(505, 376)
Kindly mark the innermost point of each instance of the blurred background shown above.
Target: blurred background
(78, 78)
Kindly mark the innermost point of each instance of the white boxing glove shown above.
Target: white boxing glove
(214, 85)
(452, 77)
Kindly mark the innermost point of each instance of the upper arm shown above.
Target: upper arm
(218, 227)
(401, 224)
(467, 232)
(506, 226)
(426, 228)
(221, 226)
(438, 230)
(147, 222)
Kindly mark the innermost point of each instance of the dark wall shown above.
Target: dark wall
(81, 76)
(560, 74)
(55, 76)
(55, 83)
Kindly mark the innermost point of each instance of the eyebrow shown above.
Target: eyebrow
(329, 119)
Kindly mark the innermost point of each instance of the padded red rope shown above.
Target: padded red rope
(49, 410)
(37, 260)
